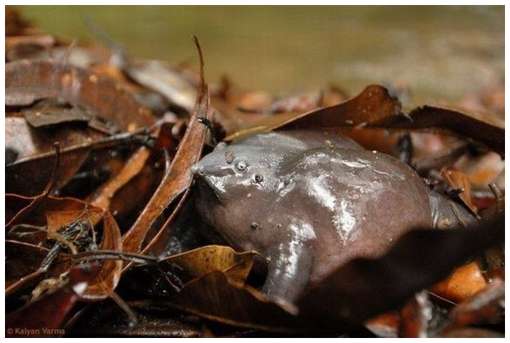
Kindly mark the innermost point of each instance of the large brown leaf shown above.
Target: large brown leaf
(364, 288)
(373, 103)
(29, 80)
(178, 177)
(485, 131)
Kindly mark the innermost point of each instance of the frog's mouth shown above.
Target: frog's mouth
(208, 189)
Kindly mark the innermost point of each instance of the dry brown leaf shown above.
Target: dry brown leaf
(216, 297)
(463, 283)
(178, 177)
(486, 306)
(103, 196)
(29, 80)
(373, 103)
(486, 131)
(201, 261)
(104, 283)
(458, 180)
(43, 316)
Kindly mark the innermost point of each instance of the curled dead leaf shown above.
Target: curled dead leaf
(198, 262)
(373, 103)
(178, 177)
(109, 271)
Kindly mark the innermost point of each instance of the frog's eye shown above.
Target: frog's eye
(241, 165)
(258, 178)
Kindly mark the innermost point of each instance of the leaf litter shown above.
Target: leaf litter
(104, 236)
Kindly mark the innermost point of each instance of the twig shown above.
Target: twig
(133, 320)
(114, 255)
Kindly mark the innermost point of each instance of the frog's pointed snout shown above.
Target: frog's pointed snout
(196, 169)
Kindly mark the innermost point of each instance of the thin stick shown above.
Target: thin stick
(125, 137)
(133, 320)
(114, 255)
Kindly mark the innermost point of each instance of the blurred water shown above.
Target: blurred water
(439, 51)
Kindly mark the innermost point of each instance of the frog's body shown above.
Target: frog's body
(308, 202)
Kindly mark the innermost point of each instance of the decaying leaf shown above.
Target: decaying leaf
(178, 177)
(43, 317)
(37, 214)
(463, 283)
(485, 306)
(415, 316)
(104, 283)
(459, 181)
(198, 262)
(246, 306)
(28, 81)
(490, 133)
(48, 113)
(372, 104)
(123, 167)
(34, 150)
(102, 197)
(162, 78)
(354, 290)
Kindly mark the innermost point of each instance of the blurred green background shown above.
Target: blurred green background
(438, 51)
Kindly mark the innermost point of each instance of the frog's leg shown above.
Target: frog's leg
(447, 214)
(289, 270)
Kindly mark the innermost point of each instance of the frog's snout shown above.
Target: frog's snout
(196, 169)
(201, 169)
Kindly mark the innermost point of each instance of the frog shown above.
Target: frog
(309, 201)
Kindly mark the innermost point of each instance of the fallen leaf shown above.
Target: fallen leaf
(364, 288)
(414, 317)
(43, 317)
(57, 219)
(216, 297)
(373, 103)
(198, 262)
(27, 81)
(463, 283)
(48, 113)
(165, 80)
(18, 47)
(178, 177)
(460, 181)
(487, 132)
(103, 284)
(103, 196)
(487, 306)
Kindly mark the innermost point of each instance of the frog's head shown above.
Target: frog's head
(234, 183)
(232, 172)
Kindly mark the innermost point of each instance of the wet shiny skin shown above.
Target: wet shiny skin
(308, 202)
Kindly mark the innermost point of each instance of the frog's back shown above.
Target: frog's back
(358, 202)
(299, 140)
